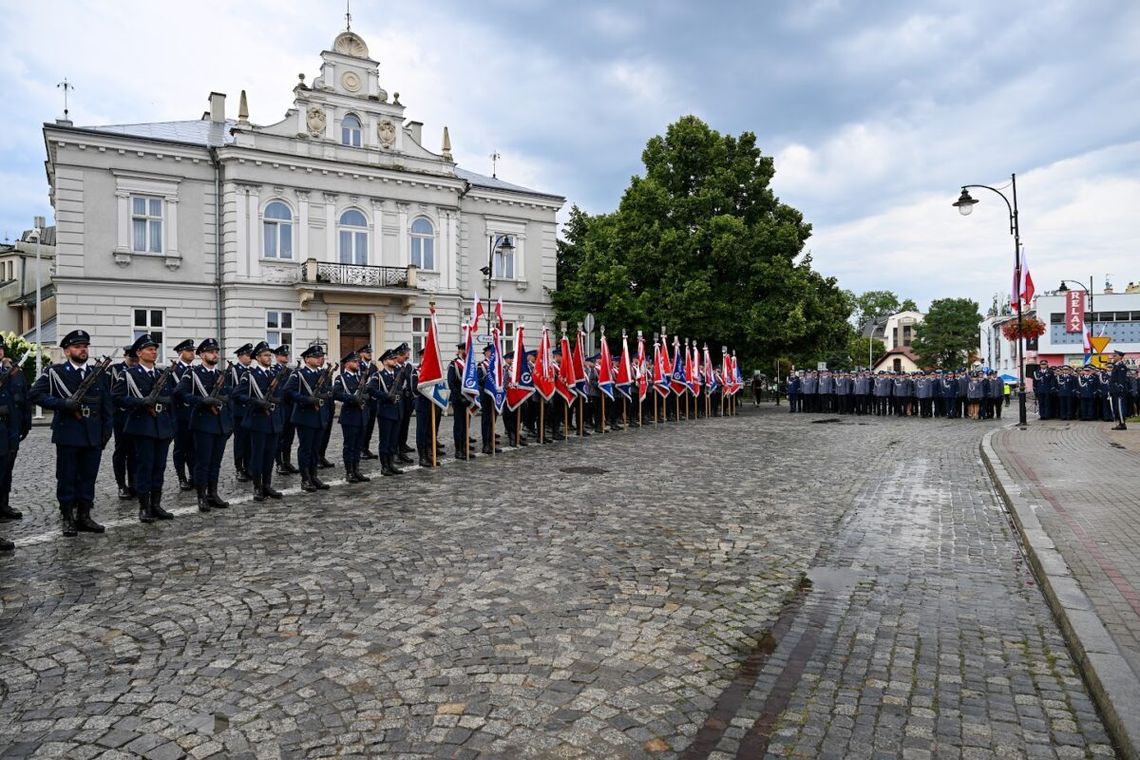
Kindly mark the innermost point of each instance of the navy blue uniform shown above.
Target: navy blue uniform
(78, 432)
(238, 409)
(264, 418)
(152, 427)
(15, 422)
(308, 414)
(460, 405)
(389, 411)
(183, 435)
(123, 460)
(211, 419)
(354, 415)
(1118, 387)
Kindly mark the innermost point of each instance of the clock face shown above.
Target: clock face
(350, 81)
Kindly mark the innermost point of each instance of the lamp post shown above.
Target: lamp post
(38, 232)
(1089, 292)
(965, 204)
(502, 244)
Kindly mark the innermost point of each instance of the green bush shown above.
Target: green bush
(15, 348)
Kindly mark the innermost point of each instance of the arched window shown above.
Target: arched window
(423, 244)
(277, 231)
(353, 237)
(350, 131)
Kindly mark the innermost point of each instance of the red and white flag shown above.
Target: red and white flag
(642, 369)
(432, 381)
(544, 367)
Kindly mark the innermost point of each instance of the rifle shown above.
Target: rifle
(322, 381)
(80, 394)
(358, 397)
(284, 373)
(13, 367)
(400, 380)
(219, 385)
(151, 400)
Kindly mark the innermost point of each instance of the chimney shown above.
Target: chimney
(415, 129)
(217, 107)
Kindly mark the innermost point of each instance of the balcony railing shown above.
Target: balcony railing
(358, 275)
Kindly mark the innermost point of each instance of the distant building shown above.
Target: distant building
(1116, 315)
(334, 224)
(895, 330)
(18, 286)
(900, 359)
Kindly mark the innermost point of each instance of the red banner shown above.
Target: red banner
(1075, 311)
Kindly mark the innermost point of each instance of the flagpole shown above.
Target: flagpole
(434, 464)
(541, 419)
(467, 431)
(494, 421)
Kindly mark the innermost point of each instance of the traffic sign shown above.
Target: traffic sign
(588, 323)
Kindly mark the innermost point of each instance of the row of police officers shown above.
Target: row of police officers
(949, 394)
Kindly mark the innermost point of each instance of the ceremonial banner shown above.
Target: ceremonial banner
(677, 380)
(543, 369)
(522, 383)
(432, 380)
(606, 370)
(564, 379)
(581, 381)
(470, 368)
(493, 383)
(642, 369)
(624, 375)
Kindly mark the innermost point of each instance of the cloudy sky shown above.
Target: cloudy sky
(876, 111)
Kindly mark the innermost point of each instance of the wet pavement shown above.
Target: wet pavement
(746, 587)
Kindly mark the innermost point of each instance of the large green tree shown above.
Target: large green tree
(701, 245)
(948, 334)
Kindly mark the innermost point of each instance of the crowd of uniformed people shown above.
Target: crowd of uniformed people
(259, 405)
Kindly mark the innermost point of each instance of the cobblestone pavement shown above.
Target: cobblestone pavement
(640, 594)
(1084, 479)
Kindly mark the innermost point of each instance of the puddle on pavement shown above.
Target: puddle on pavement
(585, 470)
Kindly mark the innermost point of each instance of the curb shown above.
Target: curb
(1111, 681)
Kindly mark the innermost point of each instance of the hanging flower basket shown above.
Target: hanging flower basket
(1028, 328)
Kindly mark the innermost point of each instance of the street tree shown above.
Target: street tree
(948, 333)
(701, 244)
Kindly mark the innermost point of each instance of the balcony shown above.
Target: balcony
(358, 283)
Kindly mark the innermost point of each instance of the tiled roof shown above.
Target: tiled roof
(494, 183)
(48, 333)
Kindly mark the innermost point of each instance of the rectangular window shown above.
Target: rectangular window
(146, 224)
(894, 337)
(508, 337)
(423, 252)
(353, 247)
(278, 239)
(906, 335)
(504, 265)
(151, 321)
(279, 328)
(419, 336)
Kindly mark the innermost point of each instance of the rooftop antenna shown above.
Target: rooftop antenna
(348, 15)
(66, 86)
(495, 164)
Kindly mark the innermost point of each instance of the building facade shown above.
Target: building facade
(1115, 315)
(335, 224)
(896, 330)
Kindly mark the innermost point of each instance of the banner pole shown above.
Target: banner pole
(433, 441)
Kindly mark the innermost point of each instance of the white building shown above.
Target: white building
(335, 224)
(896, 330)
(1115, 315)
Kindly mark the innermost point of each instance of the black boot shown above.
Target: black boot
(287, 463)
(217, 502)
(324, 463)
(125, 491)
(6, 511)
(487, 449)
(280, 460)
(243, 475)
(385, 468)
(307, 482)
(145, 514)
(392, 469)
(320, 484)
(267, 487)
(156, 506)
(350, 474)
(366, 454)
(403, 458)
(6, 545)
(83, 519)
(258, 492)
(406, 449)
(203, 500)
(67, 518)
(360, 476)
(425, 460)
(184, 483)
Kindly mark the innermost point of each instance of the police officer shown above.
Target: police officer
(15, 423)
(80, 428)
(284, 457)
(206, 389)
(426, 410)
(353, 415)
(123, 458)
(308, 400)
(263, 394)
(238, 408)
(460, 404)
(366, 370)
(147, 395)
(407, 406)
(1118, 387)
(389, 412)
(1044, 385)
(183, 436)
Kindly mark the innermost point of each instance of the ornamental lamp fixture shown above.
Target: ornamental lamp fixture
(965, 203)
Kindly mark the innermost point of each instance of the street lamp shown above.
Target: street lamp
(1088, 291)
(38, 233)
(501, 244)
(965, 205)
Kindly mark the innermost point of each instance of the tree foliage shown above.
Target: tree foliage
(859, 348)
(701, 245)
(948, 334)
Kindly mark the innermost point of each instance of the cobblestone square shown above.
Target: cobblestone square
(744, 587)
